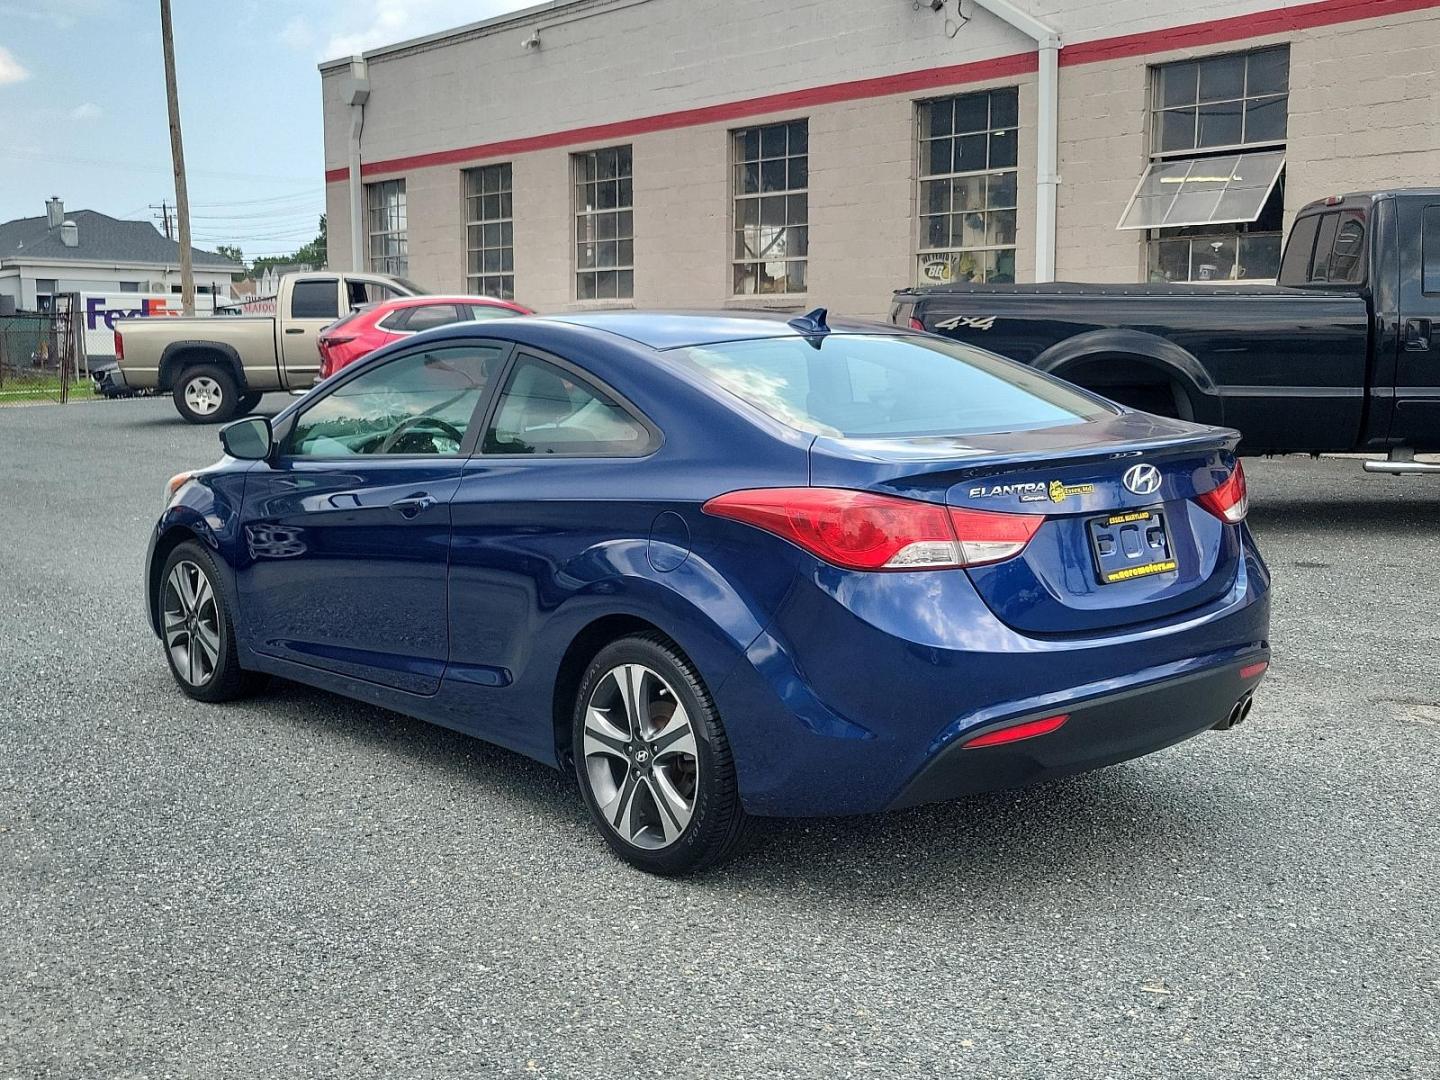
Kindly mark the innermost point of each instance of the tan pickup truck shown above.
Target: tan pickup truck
(216, 367)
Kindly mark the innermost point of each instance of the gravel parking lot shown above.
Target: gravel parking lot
(304, 886)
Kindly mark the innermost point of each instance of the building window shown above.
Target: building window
(604, 224)
(129, 286)
(45, 290)
(489, 232)
(389, 249)
(1212, 198)
(1221, 101)
(771, 167)
(968, 187)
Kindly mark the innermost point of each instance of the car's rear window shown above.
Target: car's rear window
(861, 386)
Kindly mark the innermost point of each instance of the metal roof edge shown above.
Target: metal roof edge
(495, 22)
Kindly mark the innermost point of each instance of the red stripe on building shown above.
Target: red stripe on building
(1216, 31)
(1238, 28)
(905, 83)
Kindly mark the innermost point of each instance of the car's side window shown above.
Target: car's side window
(1430, 251)
(421, 403)
(482, 312)
(545, 409)
(315, 299)
(430, 316)
(397, 320)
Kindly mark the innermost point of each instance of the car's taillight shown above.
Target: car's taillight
(1230, 501)
(862, 530)
(119, 346)
(916, 324)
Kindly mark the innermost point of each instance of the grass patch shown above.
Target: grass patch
(15, 390)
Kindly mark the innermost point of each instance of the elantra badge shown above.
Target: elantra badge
(1142, 479)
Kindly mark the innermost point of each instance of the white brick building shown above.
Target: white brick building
(664, 153)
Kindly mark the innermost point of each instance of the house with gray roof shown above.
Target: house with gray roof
(92, 252)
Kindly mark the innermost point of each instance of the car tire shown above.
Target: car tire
(664, 797)
(248, 402)
(193, 610)
(206, 394)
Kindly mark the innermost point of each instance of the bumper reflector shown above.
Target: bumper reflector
(1249, 671)
(1017, 732)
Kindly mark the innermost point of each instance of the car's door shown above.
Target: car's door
(557, 475)
(314, 304)
(1417, 366)
(347, 528)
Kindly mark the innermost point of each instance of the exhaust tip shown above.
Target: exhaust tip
(1238, 712)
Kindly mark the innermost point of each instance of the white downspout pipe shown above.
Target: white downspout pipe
(1047, 128)
(355, 91)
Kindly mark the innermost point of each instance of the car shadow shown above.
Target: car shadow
(1307, 515)
(1123, 819)
(453, 754)
(1127, 818)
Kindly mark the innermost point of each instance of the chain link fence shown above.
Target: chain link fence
(42, 355)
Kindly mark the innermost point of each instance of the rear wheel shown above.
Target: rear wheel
(206, 394)
(197, 630)
(653, 759)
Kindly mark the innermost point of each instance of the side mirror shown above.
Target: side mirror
(249, 439)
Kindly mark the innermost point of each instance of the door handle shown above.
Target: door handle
(294, 329)
(1417, 335)
(413, 505)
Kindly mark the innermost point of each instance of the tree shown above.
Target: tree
(311, 254)
(316, 251)
(233, 252)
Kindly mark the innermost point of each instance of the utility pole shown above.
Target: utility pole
(177, 155)
(164, 209)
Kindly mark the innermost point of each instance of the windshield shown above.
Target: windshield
(415, 290)
(864, 385)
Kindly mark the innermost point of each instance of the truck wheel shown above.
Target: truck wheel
(206, 395)
(249, 401)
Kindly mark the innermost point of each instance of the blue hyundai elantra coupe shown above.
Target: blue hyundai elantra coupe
(726, 566)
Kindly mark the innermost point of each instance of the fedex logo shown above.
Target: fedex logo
(98, 312)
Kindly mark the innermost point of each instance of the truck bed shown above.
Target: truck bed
(1287, 367)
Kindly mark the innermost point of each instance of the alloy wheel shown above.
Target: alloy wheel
(203, 395)
(641, 757)
(191, 623)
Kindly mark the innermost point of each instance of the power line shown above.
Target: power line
(293, 197)
(137, 166)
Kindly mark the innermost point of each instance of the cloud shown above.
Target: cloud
(297, 33)
(88, 111)
(367, 24)
(61, 14)
(11, 70)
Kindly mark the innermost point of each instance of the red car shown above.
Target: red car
(370, 326)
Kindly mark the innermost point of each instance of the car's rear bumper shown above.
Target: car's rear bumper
(861, 684)
(110, 381)
(1096, 732)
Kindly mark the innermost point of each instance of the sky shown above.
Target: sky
(82, 105)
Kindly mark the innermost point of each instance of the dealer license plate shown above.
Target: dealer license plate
(1131, 544)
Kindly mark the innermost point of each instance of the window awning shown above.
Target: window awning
(1179, 192)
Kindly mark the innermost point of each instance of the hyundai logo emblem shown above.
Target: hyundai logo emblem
(1142, 479)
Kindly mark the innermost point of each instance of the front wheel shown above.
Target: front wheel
(653, 759)
(206, 395)
(197, 630)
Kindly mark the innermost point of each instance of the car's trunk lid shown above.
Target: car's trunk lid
(1107, 556)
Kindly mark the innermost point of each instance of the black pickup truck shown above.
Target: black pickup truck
(1342, 355)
